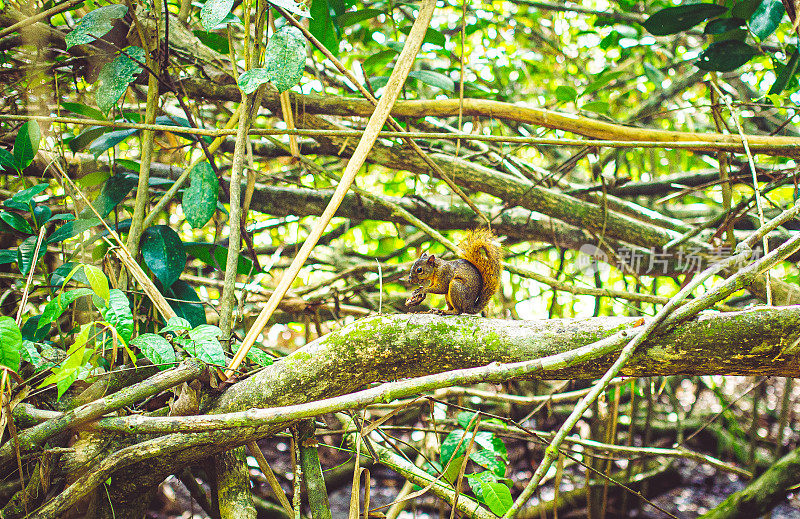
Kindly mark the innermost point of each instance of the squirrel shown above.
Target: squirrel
(468, 283)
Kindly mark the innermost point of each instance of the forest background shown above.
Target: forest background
(209, 211)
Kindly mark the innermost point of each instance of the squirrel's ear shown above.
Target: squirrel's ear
(431, 259)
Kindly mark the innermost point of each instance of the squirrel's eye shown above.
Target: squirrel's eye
(419, 269)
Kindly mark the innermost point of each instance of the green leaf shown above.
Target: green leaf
(653, 74)
(725, 56)
(114, 191)
(680, 18)
(73, 228)
(259, 357)
(26, 144)
(203, 343)
(157, 349)
(95, 24)
(41, 215)
(200, 198)
(16, 222)
(26, 195)
(216, 256)
(292, 6)
(497, 497)
(465, 418)
(8, 256)
(433, 79)
(785, 74)
(744, 8)
(81, 109)
(448, 448)
(87, 137)
(31, 331)
(285, 57)
(116, 75)
(723, 25)
(566, 93)
(487, 459)
(432, 36)
(10, 343)
(354, 17)
(214, 11)
(766, 18)
(56, 306)
(186, 303)
(7, 160)
(215, 41)
(98, 281)
(600, 107)
(118, 313)
(379, 59)
(600, 81)
(322, 27)
(108, 140)
(163, 253)
(176, 324)
(25, 253)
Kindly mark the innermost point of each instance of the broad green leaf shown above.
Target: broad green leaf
(31, 331)
(16, 222)
(565, 93)
(157, 349)
(114, 191)
(116, 75)
(27, 195)
(73, 228)
(487, 459)
(203, 343)
(448, 448)
(214, 11)
(600, 107)
(497, 497)
(7, 160)
(41, 215)
(118, 313)
(163, 253)
(653, 74)
(108, 140)
(95, 178)
(785, 74)
(25, 252)
(98, 281)
(452, 469)
(285, 57)
(26, 144)
(81, 109)
(379, 59)
(433, 79)
(354, 17)
(216, 256)
(725, 56)
(745, 8)
(56, 306)
(87, 137)
(600, 81)
(10, 343)
(432, 36)
(200, 198)
(465, 418)
(680, 18)
(766, 18)
(260, 357)
(215, 41)
(176, 324)
(8, 256)
(322, 27)
(186, 303)
(31, 354)
(723, 25)
(292, 6)
(95, 24)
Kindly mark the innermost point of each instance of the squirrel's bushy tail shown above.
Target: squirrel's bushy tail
(479, 248)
